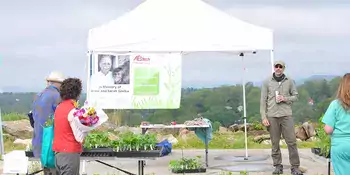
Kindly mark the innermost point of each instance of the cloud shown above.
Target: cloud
(330, 20)
(41, 36)
(224, 4)
(311, 40)
(38, 37)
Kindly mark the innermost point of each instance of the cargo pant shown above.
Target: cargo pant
(67, 163)
(285, 126)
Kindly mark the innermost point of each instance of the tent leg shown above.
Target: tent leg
(89, 73)
(272, 59)
(244, 109)
(2, 152)
(329, 166)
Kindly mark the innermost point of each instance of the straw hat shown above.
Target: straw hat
(56, 76)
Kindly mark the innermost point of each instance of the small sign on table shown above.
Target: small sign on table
(15, 162)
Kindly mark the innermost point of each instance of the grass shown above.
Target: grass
(8, 140)
(220, 140)
(229, 141)
(13, 116)
(9, 145)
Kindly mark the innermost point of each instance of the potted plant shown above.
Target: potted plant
(323, 141)
(187, 165)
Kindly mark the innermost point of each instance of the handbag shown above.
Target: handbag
(47, 154)
(31, 119)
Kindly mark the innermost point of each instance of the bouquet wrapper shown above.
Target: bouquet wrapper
(80, 131)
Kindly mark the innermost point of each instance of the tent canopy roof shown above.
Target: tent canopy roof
(178, 26)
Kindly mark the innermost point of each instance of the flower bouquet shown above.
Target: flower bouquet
(87, 116)
(85, 119)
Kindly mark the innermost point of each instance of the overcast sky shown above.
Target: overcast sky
(39, 36)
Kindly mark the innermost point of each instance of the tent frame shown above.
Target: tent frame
(241, 54)
(245, 41)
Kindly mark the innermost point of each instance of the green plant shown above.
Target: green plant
(186, 164)
(257, 126)
(126, 142)
(49, 122)
(216, 126)
(134, 142)
(97, 139)
(324, 141)
(13, 117)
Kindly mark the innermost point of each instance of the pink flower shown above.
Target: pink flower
(84, 118)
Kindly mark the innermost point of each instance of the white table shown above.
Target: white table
(177, 126)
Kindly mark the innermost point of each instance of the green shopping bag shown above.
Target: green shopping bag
(47, 154)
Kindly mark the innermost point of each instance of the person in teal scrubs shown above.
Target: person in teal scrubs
(337, 125)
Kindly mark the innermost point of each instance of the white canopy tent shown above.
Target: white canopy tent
(180, 26)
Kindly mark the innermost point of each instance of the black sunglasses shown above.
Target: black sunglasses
(278, 66)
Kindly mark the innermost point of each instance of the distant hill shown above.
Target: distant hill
(197, 85)
(316, 77)
(18, 89)
(302, 80)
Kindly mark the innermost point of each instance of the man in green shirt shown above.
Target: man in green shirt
(278, 92)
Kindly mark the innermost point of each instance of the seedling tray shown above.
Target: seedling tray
(200, 170)
(94, 152)
(97, 152)
(140, 154)
(108, 152)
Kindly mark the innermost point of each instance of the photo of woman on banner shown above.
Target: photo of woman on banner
(121, 74)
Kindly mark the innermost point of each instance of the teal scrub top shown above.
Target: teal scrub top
(339, 119)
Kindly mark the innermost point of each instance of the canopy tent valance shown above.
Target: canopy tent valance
(178, 26)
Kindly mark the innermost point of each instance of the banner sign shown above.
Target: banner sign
(135, 81)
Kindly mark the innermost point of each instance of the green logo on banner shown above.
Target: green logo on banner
(146, 81)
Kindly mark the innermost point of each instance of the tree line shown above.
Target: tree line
(219, 104)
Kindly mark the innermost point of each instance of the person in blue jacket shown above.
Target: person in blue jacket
(43, 107)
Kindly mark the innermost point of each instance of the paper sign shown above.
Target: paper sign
(15, 162)
(135, 81)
